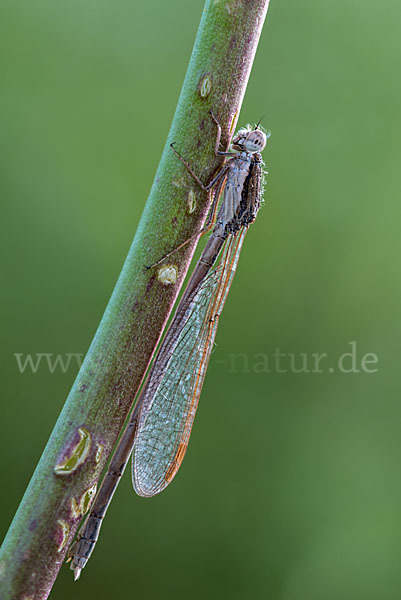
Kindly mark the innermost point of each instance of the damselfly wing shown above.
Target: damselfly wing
(168, 412)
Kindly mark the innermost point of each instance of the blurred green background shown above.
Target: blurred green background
(291, 488)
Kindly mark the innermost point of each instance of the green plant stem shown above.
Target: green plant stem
(103, 393)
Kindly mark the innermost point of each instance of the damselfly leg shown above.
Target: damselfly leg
(216, 185)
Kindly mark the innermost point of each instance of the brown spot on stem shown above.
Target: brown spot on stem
(76, 453)
(81, 506)
(167, 274)
(75, 509)
(63, 531)
(205, 85)
(99, 452)
(87, 498)
(191, 201)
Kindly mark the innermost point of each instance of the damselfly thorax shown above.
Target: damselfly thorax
(241, 193)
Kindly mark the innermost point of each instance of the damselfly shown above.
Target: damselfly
(159, 428)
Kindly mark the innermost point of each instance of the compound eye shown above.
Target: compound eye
(255, 141)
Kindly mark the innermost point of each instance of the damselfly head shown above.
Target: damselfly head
(250, 140)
